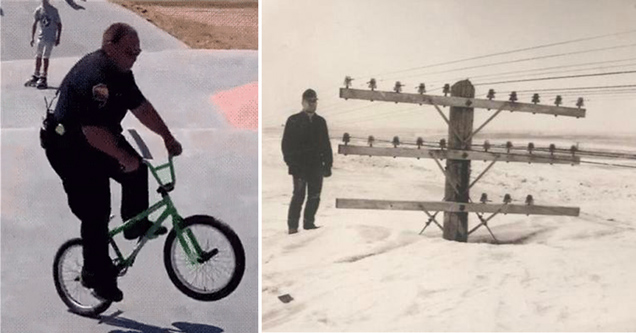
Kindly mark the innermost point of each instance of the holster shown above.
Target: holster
(47, 131)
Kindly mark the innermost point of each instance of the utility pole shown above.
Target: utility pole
(458, 171)
(459, 152)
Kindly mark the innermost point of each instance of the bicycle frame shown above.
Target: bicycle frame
(194, 254)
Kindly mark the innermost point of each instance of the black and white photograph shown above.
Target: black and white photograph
(129, 166)
(447, 165)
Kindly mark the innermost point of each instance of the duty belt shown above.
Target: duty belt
(50, 123)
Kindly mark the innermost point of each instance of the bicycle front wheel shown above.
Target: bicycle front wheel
(219, 267)
(67, 271)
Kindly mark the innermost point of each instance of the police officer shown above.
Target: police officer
(307, 153)
(85, 147)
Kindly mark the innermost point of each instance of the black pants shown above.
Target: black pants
(85, 173)
(309, 183)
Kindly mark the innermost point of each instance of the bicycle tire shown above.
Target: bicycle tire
(236, 256)
(62, 285)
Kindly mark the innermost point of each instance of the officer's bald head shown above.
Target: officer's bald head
(121, 44)
(116, 32)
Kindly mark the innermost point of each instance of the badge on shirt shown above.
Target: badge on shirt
(100, 94)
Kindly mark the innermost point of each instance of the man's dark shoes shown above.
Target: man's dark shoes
(104, 287)
(293, 231)
(109, 292)
(140, 229)
(310, 227)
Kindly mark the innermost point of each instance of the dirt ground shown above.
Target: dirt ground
(203, 24)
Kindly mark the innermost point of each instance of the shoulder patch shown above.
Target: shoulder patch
(100, 94)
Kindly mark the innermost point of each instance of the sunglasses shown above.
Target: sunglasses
(132, 52)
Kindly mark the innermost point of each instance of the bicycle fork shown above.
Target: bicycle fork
(198, 256)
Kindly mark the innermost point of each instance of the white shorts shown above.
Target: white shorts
(44, 49)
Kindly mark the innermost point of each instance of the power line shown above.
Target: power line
(613, 98)
(508, 52)
(555, 78)
(542, 69)
(514, 61)
(376, 116)
(587, 93)
(330, 106)
(611, 164)
(508, 74)
(574, 88)
(347, 111)
(522, 60)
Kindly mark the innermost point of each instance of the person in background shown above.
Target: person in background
(50, 32)
(307, 153)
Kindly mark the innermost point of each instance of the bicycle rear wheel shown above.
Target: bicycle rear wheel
(67, 271)
(220, 269)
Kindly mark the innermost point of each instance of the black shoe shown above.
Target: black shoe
(293, 231)
(140, 229)
(104, 287)
(32, 82)
(310, 227)
(41, 84)
(109, 292)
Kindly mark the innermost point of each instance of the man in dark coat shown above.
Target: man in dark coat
(307, 152)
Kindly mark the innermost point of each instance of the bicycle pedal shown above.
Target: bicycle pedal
(159, 232)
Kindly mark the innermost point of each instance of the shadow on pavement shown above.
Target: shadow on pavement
(196, 328)
(126, 325)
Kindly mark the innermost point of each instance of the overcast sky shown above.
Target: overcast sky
(317, 43)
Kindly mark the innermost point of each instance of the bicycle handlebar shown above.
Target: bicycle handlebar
(163, 187)
(145, 152)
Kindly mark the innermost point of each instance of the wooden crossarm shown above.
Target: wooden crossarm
(457, 154)
(389, 96)
(456, 207)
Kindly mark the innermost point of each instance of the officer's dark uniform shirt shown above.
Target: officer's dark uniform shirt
(96, 93)
(306, 146)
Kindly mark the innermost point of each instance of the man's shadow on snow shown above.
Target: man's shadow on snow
(126, 325)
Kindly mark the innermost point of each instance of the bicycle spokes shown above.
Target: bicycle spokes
(207, 262)
(67, 271)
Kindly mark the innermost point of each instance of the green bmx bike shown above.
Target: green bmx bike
(203, 256)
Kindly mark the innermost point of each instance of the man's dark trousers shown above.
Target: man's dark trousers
(85, 174)
(310, 183)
